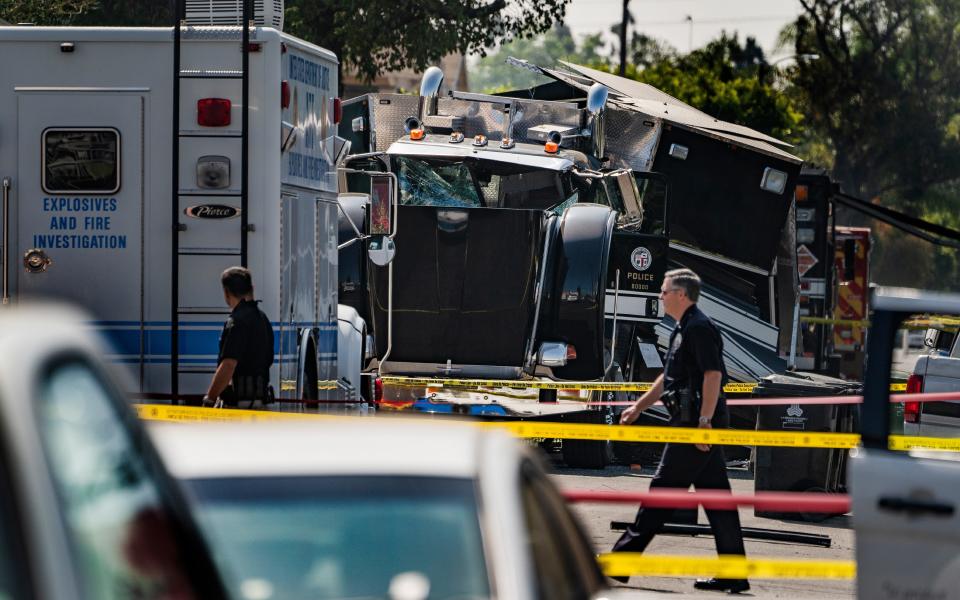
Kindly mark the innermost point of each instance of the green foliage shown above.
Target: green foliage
(374, 36)
(726, 80)
(492, 73)
(885, 95)
(885, 91)
(46, 12)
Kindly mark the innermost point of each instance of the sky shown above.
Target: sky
(667, 19)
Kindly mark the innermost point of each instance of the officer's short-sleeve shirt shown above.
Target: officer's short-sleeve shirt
(247, 338)
(695, 347)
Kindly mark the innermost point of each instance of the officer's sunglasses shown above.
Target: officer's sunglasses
(665, 292)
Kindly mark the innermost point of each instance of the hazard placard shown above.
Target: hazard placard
(805, 259)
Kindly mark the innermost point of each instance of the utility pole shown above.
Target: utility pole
(623, 38)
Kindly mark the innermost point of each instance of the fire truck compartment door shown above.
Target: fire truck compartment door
(79, 201)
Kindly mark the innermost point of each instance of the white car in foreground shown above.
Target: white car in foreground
(87, 511)
(380, 508)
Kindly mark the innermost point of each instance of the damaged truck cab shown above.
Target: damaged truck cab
(512, 251)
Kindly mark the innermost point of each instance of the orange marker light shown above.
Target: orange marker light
(551, 147)
(416, 134)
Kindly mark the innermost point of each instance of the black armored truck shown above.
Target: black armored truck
(524, 237)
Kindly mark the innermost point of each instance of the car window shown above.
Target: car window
(121, 538)
(554, 541)
(14, 575)
(344, 536)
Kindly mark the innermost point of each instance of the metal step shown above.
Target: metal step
(194, 193)
(204, 134)
(211, 74)
(197, 253)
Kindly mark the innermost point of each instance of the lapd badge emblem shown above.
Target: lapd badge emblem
(641, 258)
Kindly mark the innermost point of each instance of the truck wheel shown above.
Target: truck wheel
(590, 454)
(309, 376)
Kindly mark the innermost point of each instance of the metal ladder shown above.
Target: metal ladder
(178, 192)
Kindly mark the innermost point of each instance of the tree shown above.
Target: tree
(493, 74)
(372, 36)
(723, 79)
(382, 35)
(884, 96)
(885, 91)
(46, 12)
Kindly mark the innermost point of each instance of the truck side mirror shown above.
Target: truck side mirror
(381, 205)
(381, 249)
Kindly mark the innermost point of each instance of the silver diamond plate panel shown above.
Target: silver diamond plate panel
(489, 118)
(631, 141)
(388, 113)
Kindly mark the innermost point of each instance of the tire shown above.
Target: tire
(309, 377)
(590, 454)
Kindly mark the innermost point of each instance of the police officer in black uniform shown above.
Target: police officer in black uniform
(691, 387)
(246, 347)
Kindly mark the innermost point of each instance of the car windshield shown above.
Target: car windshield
(472, 183)
(344, 536)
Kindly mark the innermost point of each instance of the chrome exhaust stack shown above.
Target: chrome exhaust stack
(430, 91)
(429, 97)
(596, 106)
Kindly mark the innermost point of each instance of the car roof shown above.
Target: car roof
(338, 446)
(31, 335)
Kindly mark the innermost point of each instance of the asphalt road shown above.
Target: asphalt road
(597, 517)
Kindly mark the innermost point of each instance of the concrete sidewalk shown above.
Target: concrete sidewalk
(597, 517)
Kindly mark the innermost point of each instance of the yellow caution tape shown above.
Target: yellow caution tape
(200, 414)
(944, 323)
(725, 567)
(829, 321)
(676, 435)
(740, 387)
(579, 431)
(602, 386)
(909, 442)
(290, 385)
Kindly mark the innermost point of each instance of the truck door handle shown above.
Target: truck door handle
(913, 505)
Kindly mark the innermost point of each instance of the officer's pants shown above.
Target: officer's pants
(681, 466)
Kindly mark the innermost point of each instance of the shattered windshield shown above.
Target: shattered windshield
(473, 183)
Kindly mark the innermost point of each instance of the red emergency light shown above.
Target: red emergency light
(213, 112)
(337, 111)
(284, 94)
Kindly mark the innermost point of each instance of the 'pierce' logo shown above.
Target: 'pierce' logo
(212, 211)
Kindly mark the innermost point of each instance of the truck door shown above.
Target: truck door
(904, 503)
(78, 207)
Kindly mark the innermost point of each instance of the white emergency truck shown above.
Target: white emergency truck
(138, 163)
